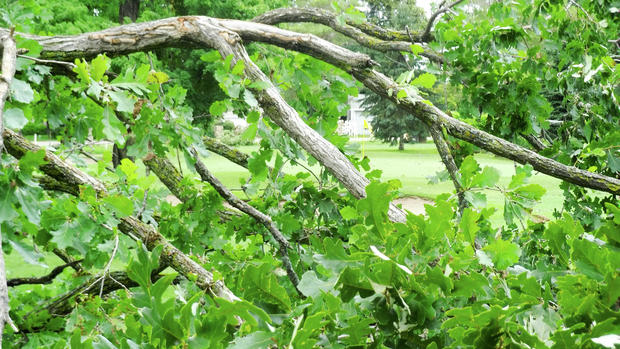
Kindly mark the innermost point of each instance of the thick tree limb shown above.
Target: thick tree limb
(167, 174)
(9, 55)
(229, 153)
(9, 58)
(260, 217)
(71, 176)
(46, 279)
(370, 36)
(320, 16)
(380, 84)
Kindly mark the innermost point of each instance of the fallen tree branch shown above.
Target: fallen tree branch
(9, 57)
(260, 217)
(430, 114)
(46, 279)
(229, 153)
(371, 36)
(72, 177)
(62, 254)
(448, 160)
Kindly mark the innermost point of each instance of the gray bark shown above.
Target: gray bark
(9, 57)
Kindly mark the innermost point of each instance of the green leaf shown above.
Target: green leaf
(21, 91)
(113, 128)
(255, 340)
(261, 283)
(503, 253)
(468, 226)
(375, 206)
(401, 94)
(211, 56)
(249, 98)
(139, 270)
(416, 49)
(250, 132)
(311, 286)
(487, 178)
(121, 205)
(124, 103)
(353, 281)
(81, 69)
(425, 80)
(14, 119)
(469, 168)
(218, 108)
(238, 68)
(7, 197)
(99, 66)
(29, 202)
(30, 255)
(348, 213)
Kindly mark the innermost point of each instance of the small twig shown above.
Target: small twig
(312, 173)
(90, 156)
(47, 61)
(106, 270)
(143, 207)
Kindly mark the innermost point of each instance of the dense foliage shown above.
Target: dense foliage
(444, 279)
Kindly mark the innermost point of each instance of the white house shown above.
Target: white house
(353, 124)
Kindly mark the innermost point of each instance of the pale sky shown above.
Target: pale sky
(426, 5)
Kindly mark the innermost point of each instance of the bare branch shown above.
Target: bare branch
(448, 160)
(260, 217)
(534, 141)
(426, 35)
(46, 279)
(9, 54)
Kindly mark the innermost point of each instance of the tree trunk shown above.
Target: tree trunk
(401, 143)
(129, 8)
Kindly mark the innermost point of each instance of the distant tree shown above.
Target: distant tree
(391, 124)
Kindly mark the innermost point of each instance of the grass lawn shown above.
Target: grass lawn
(419, 161)
(411, 166)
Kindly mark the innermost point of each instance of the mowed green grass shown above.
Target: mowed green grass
(411, 167)
(417, 162)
